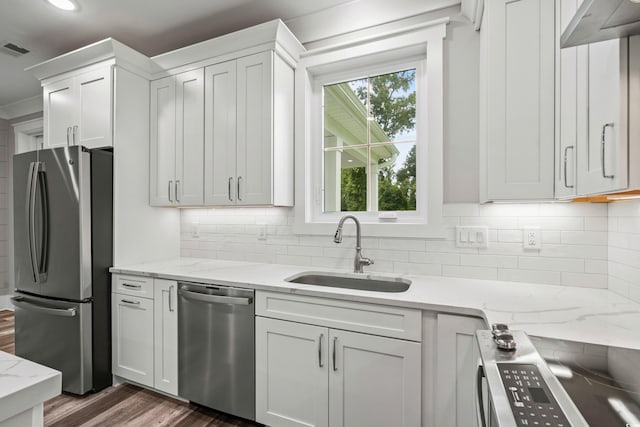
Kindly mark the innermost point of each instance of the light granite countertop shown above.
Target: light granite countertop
(595, 316)
(24, 384)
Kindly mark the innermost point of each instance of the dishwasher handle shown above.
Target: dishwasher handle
(215, 299)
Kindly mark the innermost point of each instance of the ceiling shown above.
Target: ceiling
(157, 26)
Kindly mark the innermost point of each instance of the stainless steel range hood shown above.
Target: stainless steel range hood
(598, 20)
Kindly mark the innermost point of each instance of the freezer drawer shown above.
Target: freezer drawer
(56, 334)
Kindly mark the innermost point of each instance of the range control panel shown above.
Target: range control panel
(531, 401)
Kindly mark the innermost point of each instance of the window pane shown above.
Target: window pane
(369, 143)
(345, 180)
(392, 100)
(345, 114)
(395, 167)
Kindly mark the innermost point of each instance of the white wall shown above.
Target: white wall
(574, 243)
(6, 137)
(624, 248)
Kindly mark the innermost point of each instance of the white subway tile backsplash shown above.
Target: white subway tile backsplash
(574, 243)
(585, 280)
(530, 276)
(624, 248)
(584, 237)
(487, 273)
(552, 264)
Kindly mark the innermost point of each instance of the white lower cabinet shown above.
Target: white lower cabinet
(457, 361)
(292, 388)
(313, 375)
(145, 331)
(165, 336)
(132, 330)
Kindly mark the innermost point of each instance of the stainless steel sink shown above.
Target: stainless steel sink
(362, 282)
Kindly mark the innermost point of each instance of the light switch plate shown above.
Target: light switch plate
(472, 236)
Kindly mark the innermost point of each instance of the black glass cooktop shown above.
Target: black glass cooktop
(603, 382)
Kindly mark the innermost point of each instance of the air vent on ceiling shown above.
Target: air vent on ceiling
(12, 49)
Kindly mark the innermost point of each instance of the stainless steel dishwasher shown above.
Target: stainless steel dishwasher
(216, 355)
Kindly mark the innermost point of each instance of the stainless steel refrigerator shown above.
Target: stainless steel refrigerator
(63, 216)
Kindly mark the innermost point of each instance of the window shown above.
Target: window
(369, 124)
(369, 128)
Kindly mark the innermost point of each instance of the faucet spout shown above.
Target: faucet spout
(359, 261)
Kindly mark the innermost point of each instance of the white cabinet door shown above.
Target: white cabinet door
(457, 362)
(602, 162)
(291, 373)
(189, 152)
(220, 134)
(166, 336)
(254, 129)
(94, 103)
(373, 381)
(520, 78)
(163, 142)
(571, 103)
(132, 335)
(59, 113)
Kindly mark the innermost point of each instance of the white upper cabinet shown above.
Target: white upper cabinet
(249, 131)
(602, 160)
(78, 109)
(571, 83)
(518, 78)
(177, 140)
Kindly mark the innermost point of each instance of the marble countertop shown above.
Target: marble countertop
(595, 316)
(24, 384)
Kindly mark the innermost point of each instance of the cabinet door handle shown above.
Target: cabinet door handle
(170, 293)
(169, 190)
(177, 188)
(333, 356)
(129, 285)
(75, 135)
(239, 198)
(570, 147)
(229, 189)
(320, 351)
(126, 301)
(68, 136)
(602, 154)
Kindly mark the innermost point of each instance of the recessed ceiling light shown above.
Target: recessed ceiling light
(64, 4)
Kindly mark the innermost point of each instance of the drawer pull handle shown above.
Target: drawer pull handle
(320, 350)
(171, 309)
(570, 147)
(126, 301)
(129, 285)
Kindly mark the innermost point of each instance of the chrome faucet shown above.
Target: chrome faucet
(359, 261)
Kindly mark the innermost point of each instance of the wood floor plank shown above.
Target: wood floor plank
(123, 405)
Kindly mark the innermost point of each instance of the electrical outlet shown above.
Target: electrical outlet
(262, 232)
(532, 238)
(195, 230)
(472, 236)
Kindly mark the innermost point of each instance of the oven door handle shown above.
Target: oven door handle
(482, 421)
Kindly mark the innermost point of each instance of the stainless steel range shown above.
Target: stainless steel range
(545, 382)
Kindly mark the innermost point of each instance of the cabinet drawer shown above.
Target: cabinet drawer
(133, 285)
(394, 322)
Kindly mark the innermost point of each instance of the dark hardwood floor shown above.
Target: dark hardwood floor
(124, 405)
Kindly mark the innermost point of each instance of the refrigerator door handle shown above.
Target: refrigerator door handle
(30, 211)
(63, 312)
(37, 176)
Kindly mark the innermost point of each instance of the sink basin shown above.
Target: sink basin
(362, 282)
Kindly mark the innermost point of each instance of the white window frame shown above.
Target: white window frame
(419, 46)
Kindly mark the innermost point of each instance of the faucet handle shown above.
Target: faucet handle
(367, 261)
